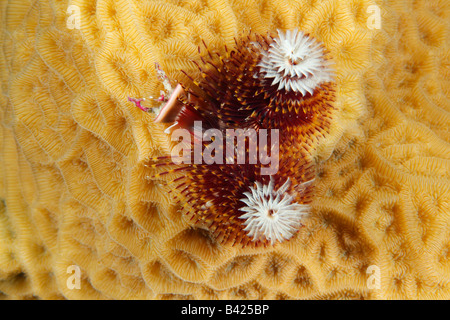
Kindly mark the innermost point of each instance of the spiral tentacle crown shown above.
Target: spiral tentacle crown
(271, 214)
(295, 62)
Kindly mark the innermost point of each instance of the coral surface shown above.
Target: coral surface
(75, 191)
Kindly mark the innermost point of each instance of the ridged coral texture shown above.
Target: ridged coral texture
(75, 191)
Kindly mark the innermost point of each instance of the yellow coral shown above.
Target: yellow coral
(75, 190)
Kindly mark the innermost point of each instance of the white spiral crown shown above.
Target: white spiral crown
(295, 62)
(271, 214)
